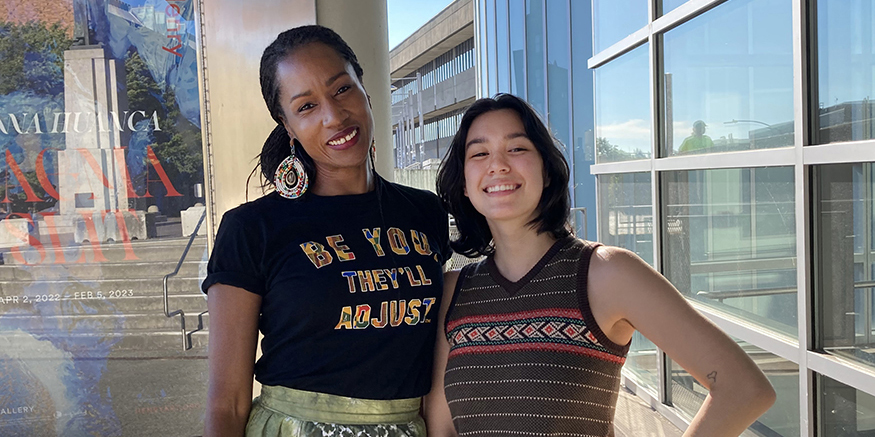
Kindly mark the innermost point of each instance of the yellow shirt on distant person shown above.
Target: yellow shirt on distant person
(695, 144)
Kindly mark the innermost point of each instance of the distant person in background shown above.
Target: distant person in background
(698, 142)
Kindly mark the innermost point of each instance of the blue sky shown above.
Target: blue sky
(405, 16)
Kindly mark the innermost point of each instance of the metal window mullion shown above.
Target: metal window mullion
(663, 369)
(525, 50)
(508, 67)
(851, 374)
(494, 39)
(805, 294)
(570, 106)
(478, 47)
(840, 153)
(546, 60)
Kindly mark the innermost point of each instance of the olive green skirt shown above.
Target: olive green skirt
(286, 412)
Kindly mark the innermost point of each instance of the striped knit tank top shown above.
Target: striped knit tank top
(527, 358)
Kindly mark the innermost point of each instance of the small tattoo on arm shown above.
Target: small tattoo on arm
(713, 376)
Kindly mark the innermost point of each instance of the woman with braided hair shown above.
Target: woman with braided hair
(340, 270)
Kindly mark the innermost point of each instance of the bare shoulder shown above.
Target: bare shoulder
(610, 264)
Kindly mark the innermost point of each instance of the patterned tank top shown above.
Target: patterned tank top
(527, 358)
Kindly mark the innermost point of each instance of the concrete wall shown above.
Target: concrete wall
(236, 120)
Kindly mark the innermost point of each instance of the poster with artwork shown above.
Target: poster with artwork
(101, 186)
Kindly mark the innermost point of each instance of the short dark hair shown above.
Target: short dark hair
(276, 147)
(475, 238)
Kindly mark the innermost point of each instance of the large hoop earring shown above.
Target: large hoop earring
(290, 179)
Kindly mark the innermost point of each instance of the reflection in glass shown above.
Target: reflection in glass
(844, 410)
(582, 114)
(626, 212)
(614, 20)
(727, 80)
(846, 65)
(622, 107)
(730, 241)
(846, 260)
(535, 33)
(491, 58)
(502, 49)
(96, 208)
(517, 48)
(558, 66)
(626, 220)
(782, 419)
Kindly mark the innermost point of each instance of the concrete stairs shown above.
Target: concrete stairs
(118, 300)
(94, 335)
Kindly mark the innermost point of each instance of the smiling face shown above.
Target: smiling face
(325, 107)
(504, 172)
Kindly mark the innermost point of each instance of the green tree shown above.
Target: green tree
(32, 57)
(142, 90)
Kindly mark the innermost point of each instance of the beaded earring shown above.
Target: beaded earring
(290, 179)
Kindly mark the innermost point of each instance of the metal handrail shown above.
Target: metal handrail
(728, 294)
(186, 341)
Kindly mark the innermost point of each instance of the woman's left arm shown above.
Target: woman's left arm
(626, 294)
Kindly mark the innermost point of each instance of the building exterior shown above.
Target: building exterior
(433, 82)
(538, 50)
(729, 144)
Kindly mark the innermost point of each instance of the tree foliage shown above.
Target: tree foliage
(178, 143)
(32, 57)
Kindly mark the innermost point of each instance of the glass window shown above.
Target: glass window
(558, 66)
(782, 419)
(502, 43)
(102, 185)
(845, 259)
(727, 79)
(626, 212)
(614, 20)
(491, 56)
(670, 5)
(622, 107)
(730, 241)
(582, 113)
(535, 33)
(846, 70)
(517, 48)
(844, 410)
(626, 220)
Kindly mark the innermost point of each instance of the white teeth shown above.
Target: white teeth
(340, 141)
(500, 188)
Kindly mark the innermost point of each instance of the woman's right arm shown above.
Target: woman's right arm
(233, 337)
(438, 420)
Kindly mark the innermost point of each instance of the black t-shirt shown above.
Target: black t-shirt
(350, 287)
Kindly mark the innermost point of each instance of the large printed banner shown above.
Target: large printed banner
(101, 183)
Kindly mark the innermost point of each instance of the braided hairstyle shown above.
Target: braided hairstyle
(276, 148)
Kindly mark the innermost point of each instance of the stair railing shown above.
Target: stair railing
(186, 337)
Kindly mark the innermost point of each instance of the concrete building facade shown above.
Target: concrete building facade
(433, 80)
